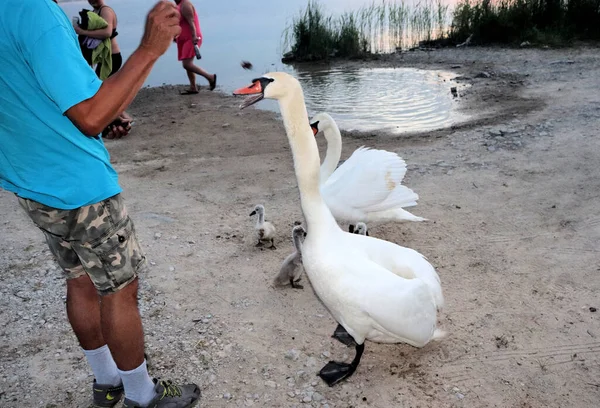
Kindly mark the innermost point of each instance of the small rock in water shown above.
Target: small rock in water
(225, 125)
(483, 74)
(454, 91)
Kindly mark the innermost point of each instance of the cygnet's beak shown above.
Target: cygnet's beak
(252, 213)
(255, 91)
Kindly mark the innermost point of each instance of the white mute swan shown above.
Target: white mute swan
(374, 289)
(368, 186)
(291, 269)
(265, 231)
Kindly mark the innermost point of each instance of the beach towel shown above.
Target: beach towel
(101, 51)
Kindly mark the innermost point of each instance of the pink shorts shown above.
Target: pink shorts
(185, 49)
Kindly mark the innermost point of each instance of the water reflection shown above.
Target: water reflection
(397, 99)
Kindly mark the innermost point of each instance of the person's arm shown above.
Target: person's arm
(92, 115)
(187, 10)
(109, 16)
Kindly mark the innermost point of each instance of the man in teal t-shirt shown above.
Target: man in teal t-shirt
(52, 109)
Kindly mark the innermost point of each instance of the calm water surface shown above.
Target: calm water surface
(398, 99)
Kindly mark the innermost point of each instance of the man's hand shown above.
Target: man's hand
(162, 26)
(77, 29)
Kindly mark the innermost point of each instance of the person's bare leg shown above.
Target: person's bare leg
(122, 327)
(192, 79)
(83, 311)
(189, 65)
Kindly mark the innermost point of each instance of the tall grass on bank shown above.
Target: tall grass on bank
(376, 28)
(511, 21)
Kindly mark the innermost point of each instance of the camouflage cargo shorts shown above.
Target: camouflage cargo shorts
(97, 239)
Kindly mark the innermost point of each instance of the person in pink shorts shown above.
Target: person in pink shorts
(190, 36)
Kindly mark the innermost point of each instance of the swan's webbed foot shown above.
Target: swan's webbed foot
(295, 284)
(259, 244)
(351, 228)
(343, 336)
(334, 372)
(272, 244)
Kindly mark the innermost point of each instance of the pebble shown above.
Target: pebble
(317, 397)
(292, 354)
(227, 396)
(459, 396)
(271, 384)
(311, 362)
(157, 235)
(326, 354)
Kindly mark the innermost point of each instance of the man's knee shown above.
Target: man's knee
(125, 294)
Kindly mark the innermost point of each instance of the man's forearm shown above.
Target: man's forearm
(116, 93)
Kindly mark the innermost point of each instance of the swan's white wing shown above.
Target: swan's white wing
(404, 262)
(383, 307)
(369, 181)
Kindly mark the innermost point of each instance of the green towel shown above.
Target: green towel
(102, 54)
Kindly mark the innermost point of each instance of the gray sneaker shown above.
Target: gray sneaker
(106, 395)
(169, 395)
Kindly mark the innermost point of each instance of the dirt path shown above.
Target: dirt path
(515, 225)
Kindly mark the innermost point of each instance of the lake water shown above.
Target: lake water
(235, 30)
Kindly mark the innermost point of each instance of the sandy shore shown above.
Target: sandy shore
(512, 196)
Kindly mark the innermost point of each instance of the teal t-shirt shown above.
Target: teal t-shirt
(43, 156)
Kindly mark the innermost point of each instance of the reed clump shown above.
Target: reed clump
(553, 22)
(377, 28)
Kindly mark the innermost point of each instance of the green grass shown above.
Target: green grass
(551, 22)
(377, 28)
(388, 26)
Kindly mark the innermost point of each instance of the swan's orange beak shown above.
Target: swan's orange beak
(315, 128)
(253, 91)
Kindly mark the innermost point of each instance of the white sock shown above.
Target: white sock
(138, 385)
(103, 366)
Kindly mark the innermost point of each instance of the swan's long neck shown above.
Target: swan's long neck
(334, 151)
(306, 160)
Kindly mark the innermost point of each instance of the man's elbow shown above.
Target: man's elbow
(87, 123)
(89, 129)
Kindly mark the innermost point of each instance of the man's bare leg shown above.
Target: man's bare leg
(122, 327)
(83, 311)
